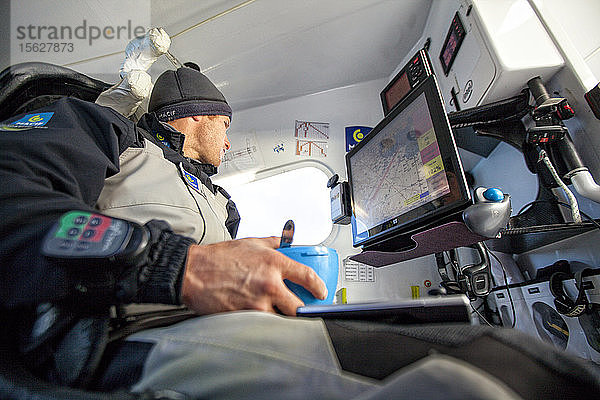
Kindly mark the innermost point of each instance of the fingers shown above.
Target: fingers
(277, 295)
(304, 276)
(297, 272)
(245, 274)
(272, 241)
(287, 302)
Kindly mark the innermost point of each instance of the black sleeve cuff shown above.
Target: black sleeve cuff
(161, 277)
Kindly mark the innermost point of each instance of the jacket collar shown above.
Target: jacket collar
(163, 132)
(171, 138)
(208, 169)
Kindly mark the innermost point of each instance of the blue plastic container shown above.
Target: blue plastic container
(324, 261)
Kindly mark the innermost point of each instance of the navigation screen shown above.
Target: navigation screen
(405, 176)
(398, 170)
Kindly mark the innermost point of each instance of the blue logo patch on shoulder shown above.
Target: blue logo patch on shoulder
(191, 180)
(33, 120)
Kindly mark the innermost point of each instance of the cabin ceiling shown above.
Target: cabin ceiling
(272, 50)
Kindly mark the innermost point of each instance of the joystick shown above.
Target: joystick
(493, 194)
(489, 214)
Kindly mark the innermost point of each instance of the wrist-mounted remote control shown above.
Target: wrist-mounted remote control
(82, 235)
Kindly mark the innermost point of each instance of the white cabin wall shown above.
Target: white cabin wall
(577, 36)
(576, 30)
(396, 281)
(274, 124)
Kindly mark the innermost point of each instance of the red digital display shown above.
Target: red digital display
(454, 39)
(449, 50)
(397, 91)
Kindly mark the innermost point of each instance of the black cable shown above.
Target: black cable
(512, 304)
(478, 307)
(476, 310)
(454, 263)
(481, 316)
(450, 286)
(446, 263)
(439, 258)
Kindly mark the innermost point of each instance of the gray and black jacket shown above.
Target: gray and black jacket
(157, 182)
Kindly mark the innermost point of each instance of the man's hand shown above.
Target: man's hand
(245, 274)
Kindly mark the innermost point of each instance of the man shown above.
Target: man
(165, 173)
(61, 163)
(183, 103)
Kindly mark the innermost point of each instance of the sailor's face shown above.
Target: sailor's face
(206, 138)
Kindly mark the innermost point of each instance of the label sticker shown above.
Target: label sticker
(468, 91)
(33, 120)
(28, 121)
(354, 135)
(312, 138)
(244, 156)
(191, 180)
(162, 139)
(358, 272)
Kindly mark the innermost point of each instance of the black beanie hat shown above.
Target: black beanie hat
(184, 93)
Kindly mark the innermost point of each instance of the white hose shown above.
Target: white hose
(584, 184)
(572, 200)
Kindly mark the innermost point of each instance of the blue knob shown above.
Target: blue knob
(493, 194)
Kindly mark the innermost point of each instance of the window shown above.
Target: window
(266, 204)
